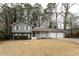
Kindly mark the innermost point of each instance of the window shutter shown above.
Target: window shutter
(15, 27)
(24, 27)
(19, 27)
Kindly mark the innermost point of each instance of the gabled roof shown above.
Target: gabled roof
(20, 22)
(44, 29)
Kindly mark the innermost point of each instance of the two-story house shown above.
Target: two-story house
(21, 29)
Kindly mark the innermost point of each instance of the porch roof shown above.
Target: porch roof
(44, 29)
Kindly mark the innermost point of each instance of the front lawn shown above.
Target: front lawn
(39, 47)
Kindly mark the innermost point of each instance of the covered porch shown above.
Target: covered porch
(21, 35)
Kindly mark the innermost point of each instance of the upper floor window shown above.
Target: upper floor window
(17, 27)
(25, 27)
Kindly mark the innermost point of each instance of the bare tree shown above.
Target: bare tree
(67, 6)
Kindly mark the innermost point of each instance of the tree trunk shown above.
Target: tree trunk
(71, 28)
(66, 13)
(56, 19)
(66, 8)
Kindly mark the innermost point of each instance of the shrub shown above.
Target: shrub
(4, 35)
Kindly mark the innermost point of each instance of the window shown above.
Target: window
(17, 27)
(19, 34)
(33, 34)
(25, 27)
(16, 34)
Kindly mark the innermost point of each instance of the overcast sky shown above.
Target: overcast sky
(74, 9)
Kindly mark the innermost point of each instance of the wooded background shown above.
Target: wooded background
(37, 16)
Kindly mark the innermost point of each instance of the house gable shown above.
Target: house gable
(21, 27)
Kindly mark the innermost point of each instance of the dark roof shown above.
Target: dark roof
(19, 22)
(44, 29)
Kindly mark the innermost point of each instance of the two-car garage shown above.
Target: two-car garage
(48, 33)
(56, 35)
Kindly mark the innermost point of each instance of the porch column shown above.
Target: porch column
(30, 35)
(13, 36)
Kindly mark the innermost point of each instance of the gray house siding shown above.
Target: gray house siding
(21, 28)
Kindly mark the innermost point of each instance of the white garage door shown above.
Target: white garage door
(52, 35)
(56, 35)
(60, 35)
